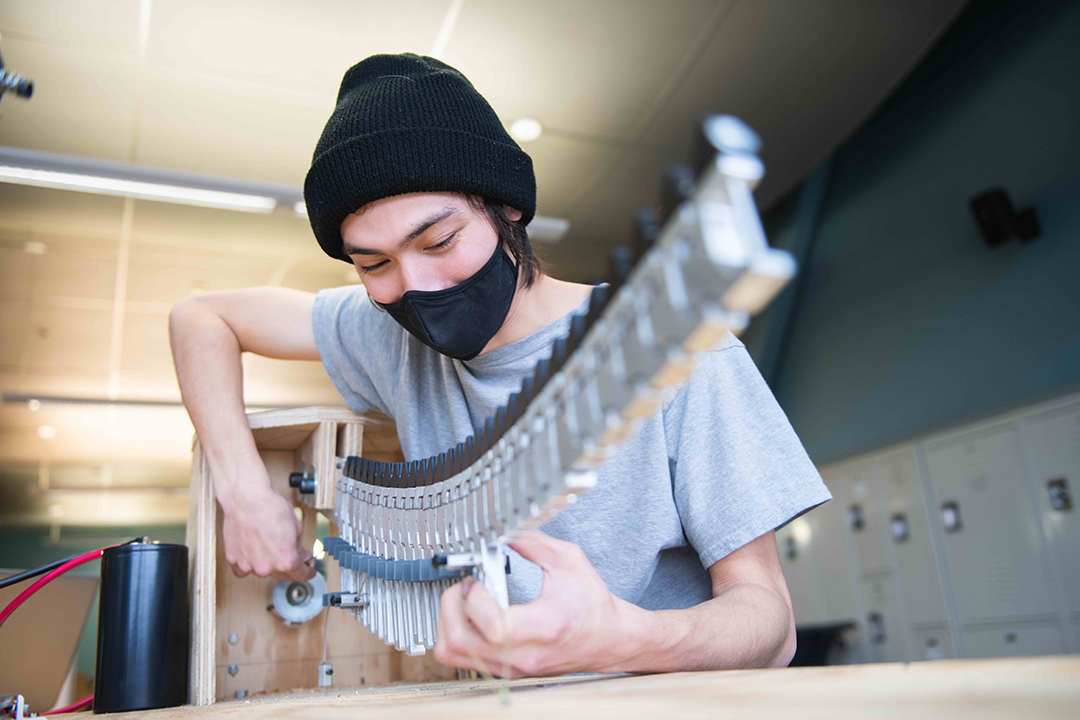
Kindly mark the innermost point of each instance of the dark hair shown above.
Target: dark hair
(511, 232)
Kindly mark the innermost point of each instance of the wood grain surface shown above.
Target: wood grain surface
(1040, 687)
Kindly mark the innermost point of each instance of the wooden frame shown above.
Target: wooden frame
(237, 646)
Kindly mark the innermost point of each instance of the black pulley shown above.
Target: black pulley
(143, 628)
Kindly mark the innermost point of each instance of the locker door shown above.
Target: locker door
(798, 564)
(864, 519)
(932, 642)
(882, 629)
(909, 537)
(1013, 639)
(835, 580)
(991, 537)
(1053, 442)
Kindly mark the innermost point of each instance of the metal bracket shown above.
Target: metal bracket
(490, 565)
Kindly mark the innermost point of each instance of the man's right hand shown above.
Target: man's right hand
(263, 536)
(209, 332)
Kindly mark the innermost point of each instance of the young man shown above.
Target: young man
(668, 564)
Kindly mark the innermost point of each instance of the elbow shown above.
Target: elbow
(787, 649)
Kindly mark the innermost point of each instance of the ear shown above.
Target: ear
(512, 214)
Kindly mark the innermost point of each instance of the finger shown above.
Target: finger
(303, 571)
(485, 614)
(541, 548)
(456, 635)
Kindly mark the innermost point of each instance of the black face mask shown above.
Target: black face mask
(460, 320)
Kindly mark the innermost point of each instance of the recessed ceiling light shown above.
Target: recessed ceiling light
(34, 404)
(34, 247)
(299, 209)
(526, 129)
(46, 432)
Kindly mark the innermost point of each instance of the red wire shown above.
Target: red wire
(42, 582)
(48, 578)
(85, 702)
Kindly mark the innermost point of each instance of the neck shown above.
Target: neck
(537, 306)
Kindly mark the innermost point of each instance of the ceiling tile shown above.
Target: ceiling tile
(286, 44)
(32, 213)
(565, 169)
(83, 102)
(68, 339)
(145, 345)
(595, 68)
(229, 127)
(71, 270)
(13, 333)
(803, 75)
(156, 276)
(603, 216)
(101, 25)
(184, 228)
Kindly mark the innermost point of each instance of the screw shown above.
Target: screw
(233, 669)
(234, 638)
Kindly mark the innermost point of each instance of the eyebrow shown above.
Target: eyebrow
(422, 227)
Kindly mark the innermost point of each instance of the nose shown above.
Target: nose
(414, 276)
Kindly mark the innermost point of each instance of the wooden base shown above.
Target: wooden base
(1040, 687)
(239, 647)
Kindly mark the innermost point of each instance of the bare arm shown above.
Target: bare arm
(578, 625)
(208, 333)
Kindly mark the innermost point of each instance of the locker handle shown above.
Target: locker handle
(898, 523)
(950, 516)
(1058, 489)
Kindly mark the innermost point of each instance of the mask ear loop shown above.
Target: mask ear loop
(374, 304)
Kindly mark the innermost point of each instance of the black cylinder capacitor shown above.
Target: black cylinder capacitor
(143, 628)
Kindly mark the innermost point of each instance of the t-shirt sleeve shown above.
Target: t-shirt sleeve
(738, 469)
(359, 346)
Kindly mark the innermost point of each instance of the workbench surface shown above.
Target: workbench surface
(1039, 687)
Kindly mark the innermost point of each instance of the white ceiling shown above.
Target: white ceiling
(242, 89)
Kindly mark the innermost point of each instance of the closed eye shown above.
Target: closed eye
(445, 243)
(371, 268)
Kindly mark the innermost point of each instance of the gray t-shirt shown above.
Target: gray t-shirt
(716, 467)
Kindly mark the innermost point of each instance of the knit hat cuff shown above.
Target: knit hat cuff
(365, 168)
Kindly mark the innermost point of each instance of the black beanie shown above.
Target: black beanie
(410, 123)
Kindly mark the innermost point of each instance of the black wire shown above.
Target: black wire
(27, 574)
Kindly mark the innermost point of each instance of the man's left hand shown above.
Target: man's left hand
(575, 624)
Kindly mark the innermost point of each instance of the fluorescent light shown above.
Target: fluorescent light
(547, 229)
(526, 129)
(137, 189)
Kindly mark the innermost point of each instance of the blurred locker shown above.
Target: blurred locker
(933, 642)
(1053, 443)
(989, 527)
(908, 535)
(1011, 639)
(884, 629)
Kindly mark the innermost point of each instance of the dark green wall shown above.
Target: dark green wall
(907, 320)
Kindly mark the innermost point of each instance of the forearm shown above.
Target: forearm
(207, 356)
(744, 626)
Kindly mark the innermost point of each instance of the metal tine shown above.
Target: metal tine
(528, 391)
(722, 134)
(560, 351)
(541, 373)
(470, 451)
(488, 436)
(646, 229)
(622, 263)
(677, 187)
